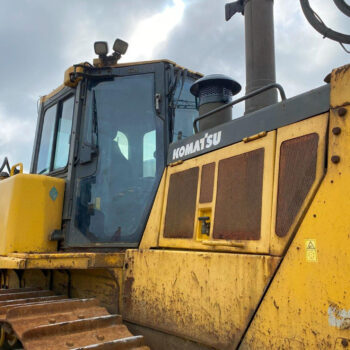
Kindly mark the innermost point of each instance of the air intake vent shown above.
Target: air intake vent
(214, 91)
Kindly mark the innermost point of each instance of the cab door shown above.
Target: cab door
(120, 158)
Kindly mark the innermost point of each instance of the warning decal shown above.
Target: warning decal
(311, 250)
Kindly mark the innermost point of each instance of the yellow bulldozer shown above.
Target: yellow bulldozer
(151, 219)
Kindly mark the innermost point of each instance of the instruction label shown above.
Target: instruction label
(311, 250)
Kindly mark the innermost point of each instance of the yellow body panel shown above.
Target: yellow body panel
(151, 234)
(52, 93)
(30, 209)
(203, 296)
(308, 304)
(62, 260)
(317, 125)
(255, 246)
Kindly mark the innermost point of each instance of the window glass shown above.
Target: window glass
(149, 149)
(63, 134)
(113, 204)
(185, 111)
(123, 144)
(47, 135)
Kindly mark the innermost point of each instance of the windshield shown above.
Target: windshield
(113, 204)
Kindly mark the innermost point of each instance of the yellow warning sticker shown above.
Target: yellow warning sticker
(311, 250)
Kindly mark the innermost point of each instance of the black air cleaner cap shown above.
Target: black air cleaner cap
(215, 80)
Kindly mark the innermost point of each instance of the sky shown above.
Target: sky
(40, 39)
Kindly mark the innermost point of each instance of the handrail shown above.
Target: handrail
(252, 94)
(14, 169)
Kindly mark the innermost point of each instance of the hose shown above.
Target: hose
(319, 25)
(5, 164)
(343, 7)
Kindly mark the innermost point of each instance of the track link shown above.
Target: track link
(39, 319)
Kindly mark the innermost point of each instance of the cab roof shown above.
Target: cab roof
(97, 64)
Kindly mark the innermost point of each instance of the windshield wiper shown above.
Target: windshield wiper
(43, 171)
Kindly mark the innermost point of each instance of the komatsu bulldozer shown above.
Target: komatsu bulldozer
(151, 219)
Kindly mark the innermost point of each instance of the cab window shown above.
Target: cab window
(63, 134)
(45, 150)
(55, 136)
(185, 111)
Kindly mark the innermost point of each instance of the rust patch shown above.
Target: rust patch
(239, 197)
(297, 172)
(181, 204)
(129, 281)
(341, 70)
(207, 183)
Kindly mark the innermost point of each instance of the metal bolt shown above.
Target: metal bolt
(345, 343)
(81, 317)
(100, 337)
(336, 130)
(342, 111)
(335, 159)
(52, 320)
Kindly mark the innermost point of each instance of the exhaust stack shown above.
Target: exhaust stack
(259, 47)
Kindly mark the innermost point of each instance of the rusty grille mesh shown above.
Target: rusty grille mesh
(239, 197)
(297, 172)
(181, 204)
(207, 183)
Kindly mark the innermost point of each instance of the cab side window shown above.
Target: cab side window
(45, 150)
(63, 134)
(55, 136)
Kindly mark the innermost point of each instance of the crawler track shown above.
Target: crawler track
(39, 319)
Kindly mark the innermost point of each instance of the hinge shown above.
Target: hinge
(255, 137)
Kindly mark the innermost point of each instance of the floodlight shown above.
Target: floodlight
(101, 48)
(120, 46)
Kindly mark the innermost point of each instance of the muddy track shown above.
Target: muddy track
(34, 319)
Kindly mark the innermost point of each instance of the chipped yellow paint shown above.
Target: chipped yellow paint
(62, 261)
(340, 95)
(204, 296)
(310, 302)
(54, 92)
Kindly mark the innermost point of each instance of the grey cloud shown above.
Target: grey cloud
(205, 42)
(40, 39)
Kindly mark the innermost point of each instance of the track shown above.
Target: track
(33, 319)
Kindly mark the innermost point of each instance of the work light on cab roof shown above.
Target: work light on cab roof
(101, 49)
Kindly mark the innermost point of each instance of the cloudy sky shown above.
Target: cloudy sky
(39, 39)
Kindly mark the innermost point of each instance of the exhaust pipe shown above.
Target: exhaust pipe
(259, 47)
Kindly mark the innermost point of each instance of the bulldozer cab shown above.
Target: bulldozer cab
(108, 137)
